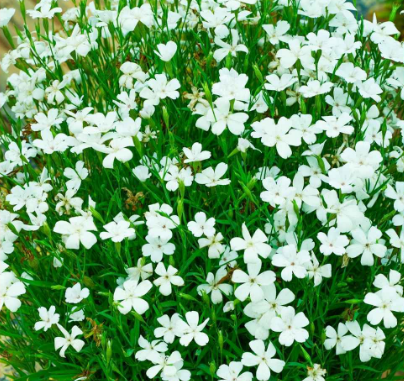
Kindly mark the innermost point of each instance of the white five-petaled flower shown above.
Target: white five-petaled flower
(167, 277)
(10, 289)
(226, 49)
(291, 326)
(76, 231)
(232, 372)
(192, 330)
(279, 84)
(117, 231)
(216, 286)
(333, 242)
(150, 350)
(252, 281)
(263, 359)
(253, 246)
(385, 301)
(202, 225)
(222, 116)
(280, 135)
(390, 283)
(334, 338)
(292, 261)
(366, 243)
(68, 340)
(156, 247)
(212, 177)
(168, 329)
(76, 294)
(195, 153)
(130, 295)
(48, 318)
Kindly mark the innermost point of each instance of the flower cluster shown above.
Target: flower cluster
(197, 190)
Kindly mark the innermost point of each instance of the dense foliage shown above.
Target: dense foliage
(202, 189)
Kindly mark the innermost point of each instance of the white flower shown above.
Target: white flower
(6, 248)
(117, 150)
(253, 246)
(232, 86)
(302, 123)
(212, 177)
(129, 18)
(397, 241)
(314, 88)
(351, 73)
(170, 367)
(166, 51)
(160, 88)
(46, 122)
(156, 247)
(202, 225)
(277, 33)
(141, 271)
(174, 177)
(348, 214)
(44, 12)
(252, 282)
(77, 231)
(216, 286)
(280, 84)
(214, 243)
(141, 172)
(370, 89)
(334, 126)
(226, 49)
(316, 373)
(130, 72)
(385, 301)
(296, 51)
(76, 294)
(333, 242)
(150, 350)
(272, 304)
(48, 318)
(130, 295)
(10, 289)
(263, 358)
(68, 340)
(391, 283)
(76, 175)
(334, 339)
(196, 154)
(293, 262)
(362, 338)
(76, 315)
(317, 272)
(222, 116)
(280, 135)
(366, 243)
(278, 192)
(396, 194)
(5, 16)
(117, 231)
(168, 328)
(192, 330)
(167, 277)
(244, 144)
(291, 326)
(232, 372)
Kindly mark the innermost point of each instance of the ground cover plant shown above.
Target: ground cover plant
(202, 190)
